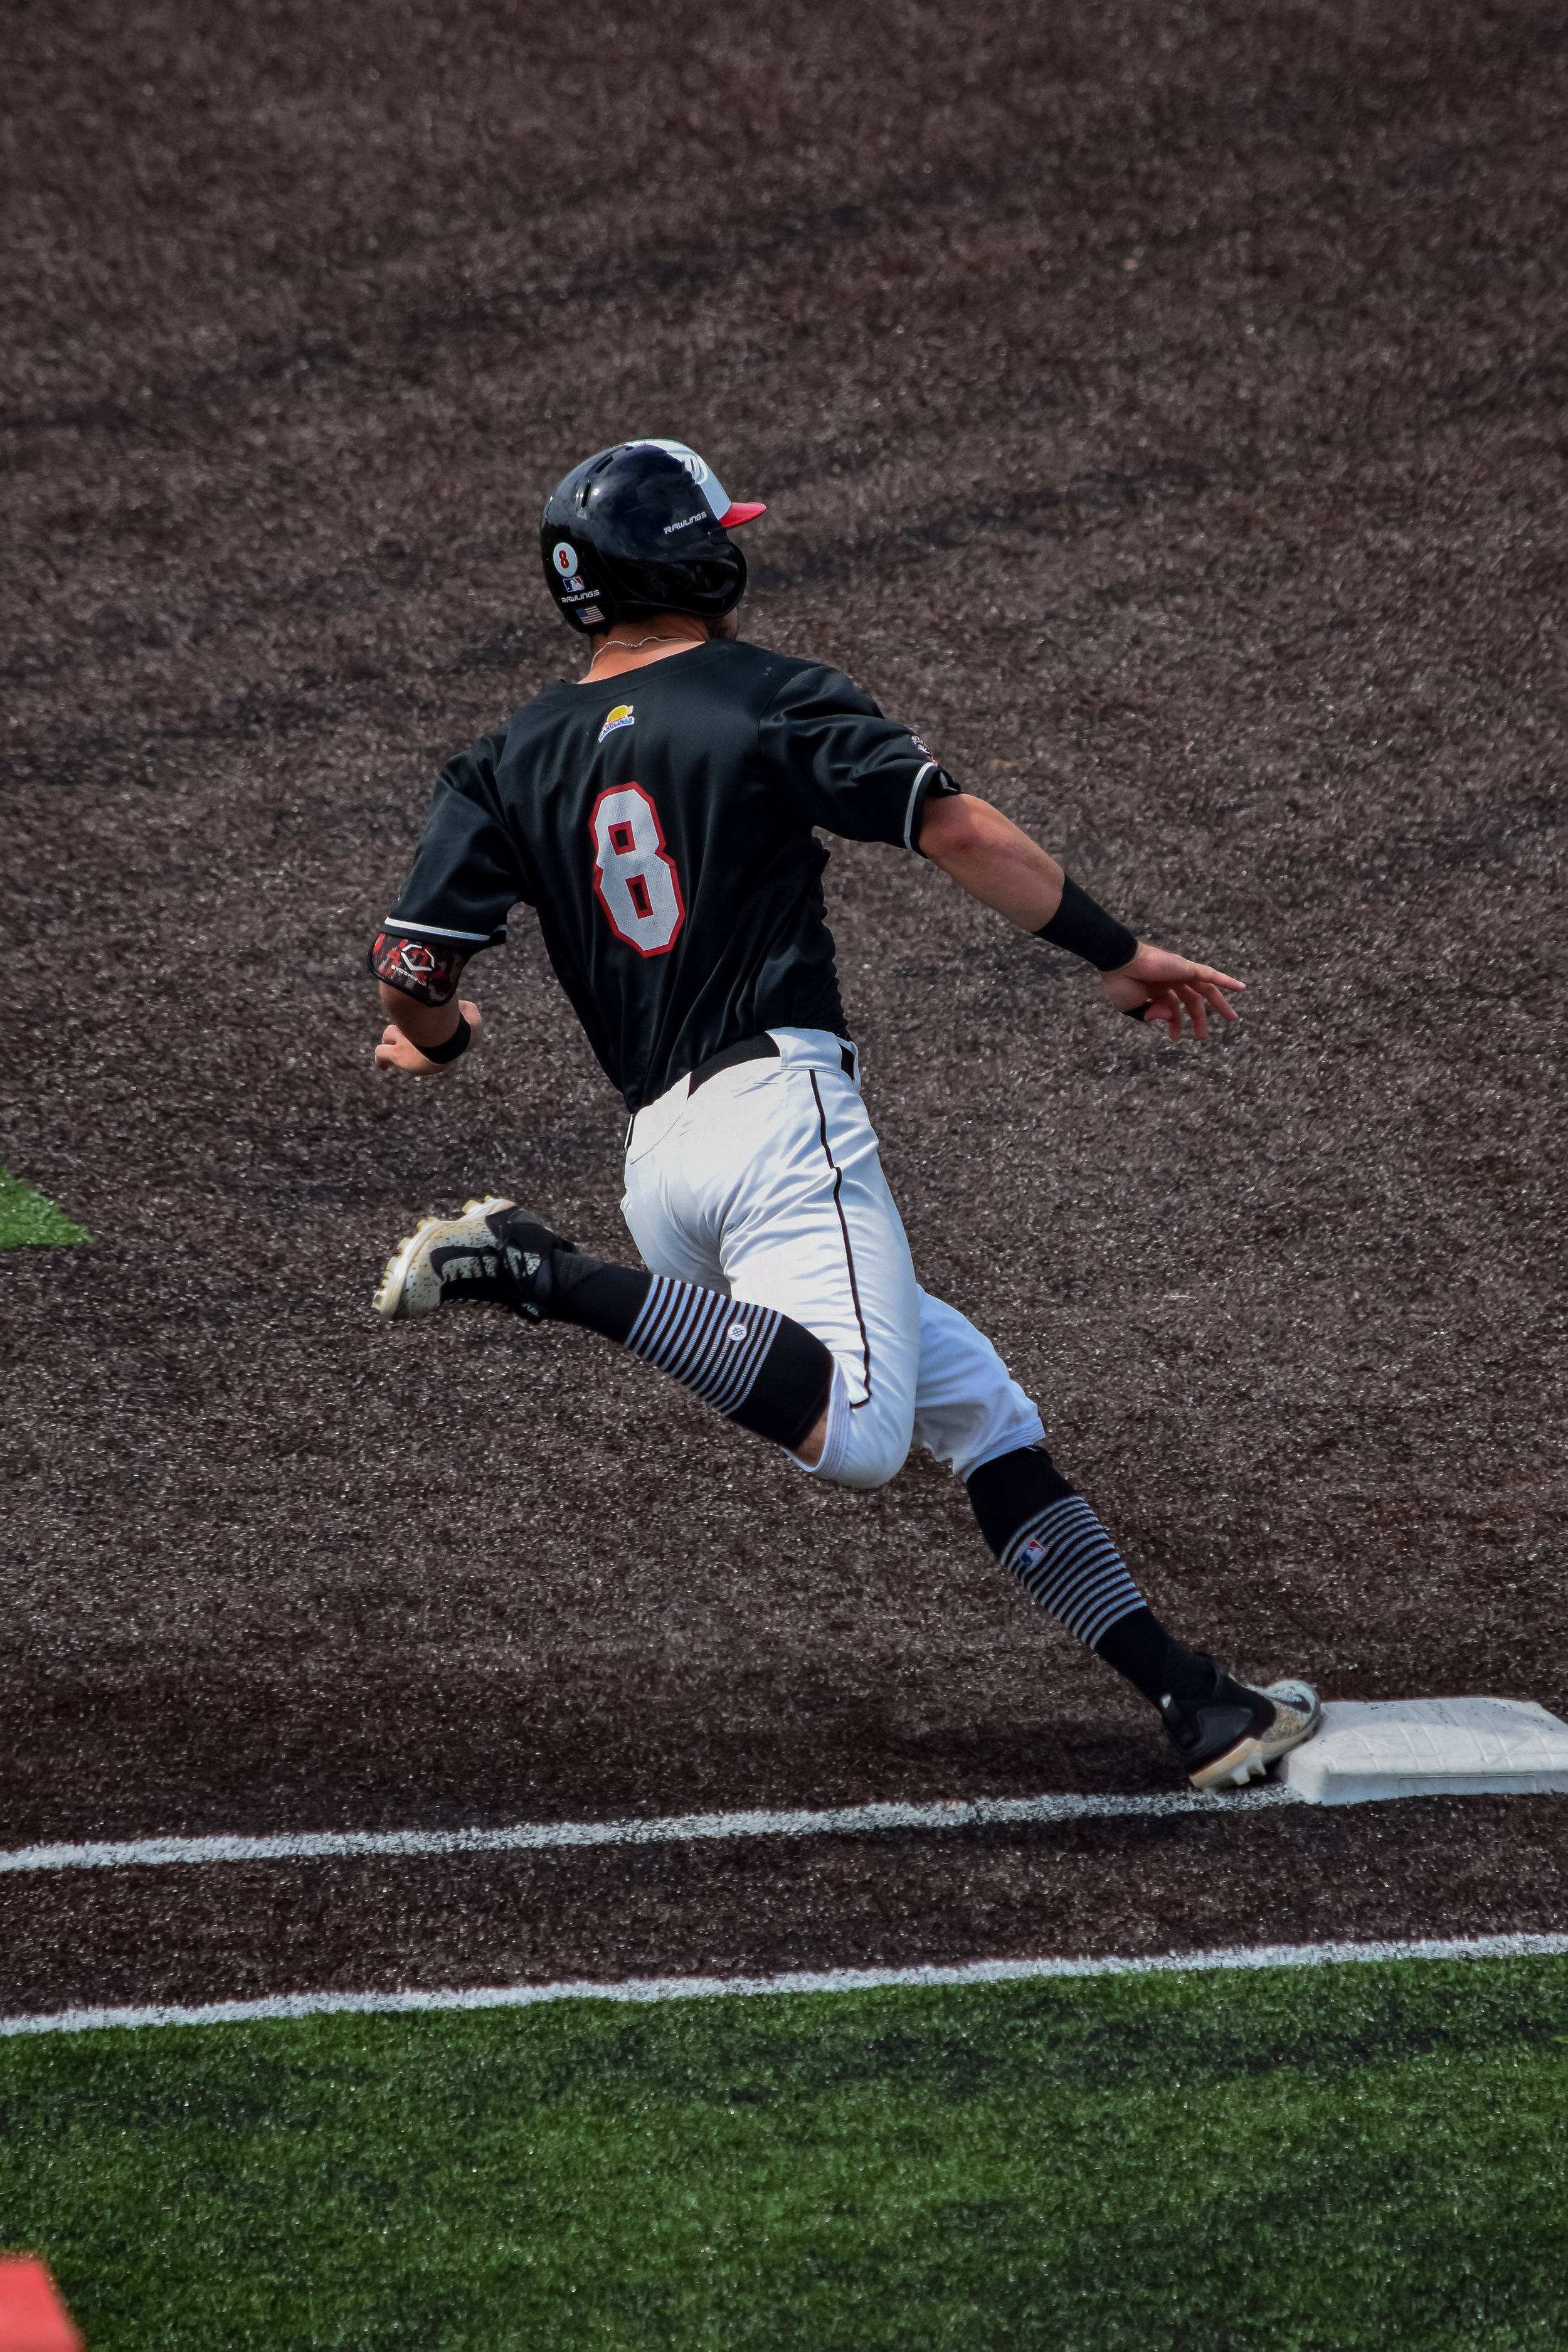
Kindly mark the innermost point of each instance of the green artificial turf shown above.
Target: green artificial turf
(1362, 2156)
(26, 1218)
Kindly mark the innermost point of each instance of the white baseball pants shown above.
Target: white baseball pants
(766, 1184)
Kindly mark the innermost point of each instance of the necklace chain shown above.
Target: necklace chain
(634, 644)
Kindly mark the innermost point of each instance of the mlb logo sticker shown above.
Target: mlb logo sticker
(622, 715)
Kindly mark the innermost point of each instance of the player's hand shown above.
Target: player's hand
(1169, 985)
(397, 1052)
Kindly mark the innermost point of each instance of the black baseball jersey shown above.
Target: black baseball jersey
(660, 826)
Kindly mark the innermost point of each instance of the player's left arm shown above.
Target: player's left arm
(987, 855)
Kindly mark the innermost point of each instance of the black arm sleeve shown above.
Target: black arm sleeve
(845, 767)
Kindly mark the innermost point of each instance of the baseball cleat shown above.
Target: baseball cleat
(493, 1254)
(1235, 1733)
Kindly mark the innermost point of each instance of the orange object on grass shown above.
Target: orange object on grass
(32, 2317)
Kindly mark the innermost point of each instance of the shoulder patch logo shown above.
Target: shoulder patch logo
(623, 715)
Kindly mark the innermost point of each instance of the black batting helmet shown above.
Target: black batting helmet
(642, 527)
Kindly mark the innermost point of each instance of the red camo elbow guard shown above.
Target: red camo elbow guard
(426, 970)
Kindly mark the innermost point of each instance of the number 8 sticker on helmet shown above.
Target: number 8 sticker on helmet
(635, 878)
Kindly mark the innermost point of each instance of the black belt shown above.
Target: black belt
(749, 1049)
(754, 1049)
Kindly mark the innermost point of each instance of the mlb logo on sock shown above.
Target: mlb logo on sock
(1031, 1555)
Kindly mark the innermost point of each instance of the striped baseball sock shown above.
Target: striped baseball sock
(1068, 1566)
(1043, 1531)
(751, 1364)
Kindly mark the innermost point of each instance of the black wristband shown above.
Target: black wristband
(458, 1043)
(1087, 931)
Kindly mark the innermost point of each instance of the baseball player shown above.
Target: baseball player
(658, 814)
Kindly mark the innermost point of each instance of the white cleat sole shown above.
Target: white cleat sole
(1235, 1769)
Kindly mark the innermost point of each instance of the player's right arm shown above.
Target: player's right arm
(988, 856)
(411, 1026)
(454, 904)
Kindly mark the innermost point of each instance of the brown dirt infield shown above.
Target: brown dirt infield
(1162, 410)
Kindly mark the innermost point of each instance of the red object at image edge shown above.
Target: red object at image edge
(32, 2317)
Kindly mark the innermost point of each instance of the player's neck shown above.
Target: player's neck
(634, 647)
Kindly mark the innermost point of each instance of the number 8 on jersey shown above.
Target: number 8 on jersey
(635, 878)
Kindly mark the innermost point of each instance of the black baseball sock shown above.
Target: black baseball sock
(751, 1364)
(1043, 1531)
(1153, 1661)
(594, 1294)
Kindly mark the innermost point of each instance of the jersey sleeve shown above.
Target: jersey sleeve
(466, 878)
(464, 885)
(849, 769)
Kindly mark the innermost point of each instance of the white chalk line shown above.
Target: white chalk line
(278, 2006)
(532, 1837)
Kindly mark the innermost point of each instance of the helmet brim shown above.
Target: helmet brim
(739, 512)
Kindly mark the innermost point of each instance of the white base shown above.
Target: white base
(1370, 1748)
